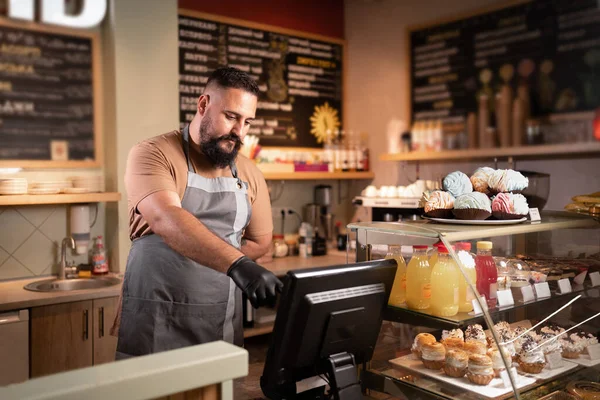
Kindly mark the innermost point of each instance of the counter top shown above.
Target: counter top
(14, 297)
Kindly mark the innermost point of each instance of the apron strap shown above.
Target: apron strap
(186, 151)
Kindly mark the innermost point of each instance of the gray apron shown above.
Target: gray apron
(170, 301)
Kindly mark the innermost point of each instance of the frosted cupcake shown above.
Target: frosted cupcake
(479, 179)
(531, 359)
(475, 333)
(457, 183)
(552, 347)
(507, 180)
(420, 340)
(439, 205)
(473, 205)
(572, 347)
(474, 347)
(453, 340)
(480, 370)
(497, 362)
(456, 364)
(433, 355)
(509, 206)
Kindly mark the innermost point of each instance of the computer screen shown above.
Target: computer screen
(328, 320)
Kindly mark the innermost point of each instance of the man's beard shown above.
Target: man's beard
(211, 147)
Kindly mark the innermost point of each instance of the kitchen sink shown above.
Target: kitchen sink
(57, 285)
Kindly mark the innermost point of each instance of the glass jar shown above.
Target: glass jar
(505, 273)
(520, 273)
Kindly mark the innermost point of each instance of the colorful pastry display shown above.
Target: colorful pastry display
(439, 204)
(509, 206)
(472, 206)
(480, 178)
(457, 183)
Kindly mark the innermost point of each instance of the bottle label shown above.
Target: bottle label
(426, 291)
(456, 296)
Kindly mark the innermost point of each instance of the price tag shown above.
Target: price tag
(594, 351)
(580, 278)
(565, 286)
(506, 380)
(505, 298)
(595, 278)
(542, 290)
(534, 215)
(476, 308)
(527, 292)
(555, 360)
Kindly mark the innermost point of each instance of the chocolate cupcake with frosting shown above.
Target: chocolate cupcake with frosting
(457, 183)
(439, 204)
(472, 206)
(509, 206)
(507, 180)
(480, 178)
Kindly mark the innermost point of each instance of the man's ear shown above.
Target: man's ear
(203, 102)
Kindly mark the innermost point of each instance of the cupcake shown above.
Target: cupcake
(456, 364)
(454, 343)
(497, 362)
(480, 178)
(509, 206)
(475, 333)
(420, 340)
(457, 183)
(480, 370)
(454, 333)
(439, 205)
(552, 329)
(531, 358)
(473, 205)
(507, 180)
(572, 347)
(587, 338)
(551, 347)
(475, 347)
(433, 355)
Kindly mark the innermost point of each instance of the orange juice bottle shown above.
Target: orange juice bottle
(444, 285)
(418, 279)
(398, 293)
(465, 295)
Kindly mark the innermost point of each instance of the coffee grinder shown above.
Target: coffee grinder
(322, 197)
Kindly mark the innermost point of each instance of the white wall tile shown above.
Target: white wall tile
(3, 256)
(36, 214)
(14, 230)
(12, 269)
(37, 253)
(55, 227)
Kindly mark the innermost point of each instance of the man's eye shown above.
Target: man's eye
(229, 116)
(248, 123)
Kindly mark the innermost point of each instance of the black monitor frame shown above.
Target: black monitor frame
(328, 321)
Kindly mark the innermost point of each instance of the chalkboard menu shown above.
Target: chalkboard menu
(300, 78)
(46, 96)
(548, 48)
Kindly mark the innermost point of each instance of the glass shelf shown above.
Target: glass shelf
(460, 320)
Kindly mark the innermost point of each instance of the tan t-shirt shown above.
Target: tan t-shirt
(159, 164)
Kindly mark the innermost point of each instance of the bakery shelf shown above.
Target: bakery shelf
(461, 320)
(305, 176)
(551, 220)
(538, 151)
(38, 199)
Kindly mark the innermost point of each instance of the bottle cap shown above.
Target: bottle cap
(420, 247)
(466, 246)
(484, 245)
(442, 249)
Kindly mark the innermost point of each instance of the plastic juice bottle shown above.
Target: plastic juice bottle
(465, 295)
(444, 285)
(418, 279)
(487, 274)
(398, 293)
(433, 256)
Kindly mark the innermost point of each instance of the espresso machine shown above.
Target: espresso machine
(318, 215)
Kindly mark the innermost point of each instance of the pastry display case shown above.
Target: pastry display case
(487, 311)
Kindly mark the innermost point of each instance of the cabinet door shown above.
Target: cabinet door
(61, 337)
(105, 345)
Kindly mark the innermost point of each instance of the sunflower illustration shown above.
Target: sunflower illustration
(324, 121)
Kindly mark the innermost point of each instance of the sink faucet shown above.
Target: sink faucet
(68, 241)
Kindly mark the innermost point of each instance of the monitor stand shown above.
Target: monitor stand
(343, 380)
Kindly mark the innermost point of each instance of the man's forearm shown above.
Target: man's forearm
(252, 249)
(183, 233)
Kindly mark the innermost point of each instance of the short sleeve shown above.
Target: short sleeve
(261, 221)
(148, 171)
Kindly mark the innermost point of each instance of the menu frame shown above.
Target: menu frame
(284, 31)
(97, 97)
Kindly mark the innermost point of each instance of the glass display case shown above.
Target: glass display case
(488, 311)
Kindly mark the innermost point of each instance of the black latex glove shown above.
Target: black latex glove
(258, 284)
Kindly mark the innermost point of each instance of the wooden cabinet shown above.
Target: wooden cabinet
(60, 337)
(105, 345)
(71, 335)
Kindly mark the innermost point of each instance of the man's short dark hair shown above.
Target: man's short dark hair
(229, 77)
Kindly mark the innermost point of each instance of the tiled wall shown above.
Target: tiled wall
(30, 238)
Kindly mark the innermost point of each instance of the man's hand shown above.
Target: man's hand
(258, 284)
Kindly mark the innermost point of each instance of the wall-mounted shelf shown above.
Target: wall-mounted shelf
(37, 199)
(305, 176)
(539, 151)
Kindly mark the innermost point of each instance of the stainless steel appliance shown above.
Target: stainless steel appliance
(390, 209)
(14, 347)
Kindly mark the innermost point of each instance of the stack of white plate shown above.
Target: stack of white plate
(49, 186)
(13, 186)
(91, 183)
